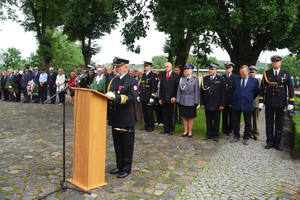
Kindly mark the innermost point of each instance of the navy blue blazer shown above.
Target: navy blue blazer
(243, 99)
(52, 79)
(36, 77)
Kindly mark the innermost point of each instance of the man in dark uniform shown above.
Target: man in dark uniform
(212, 100)
(275, 85)
(51, 84)
(146, 95)
(17, 80)
(227, 123)
(123, 89)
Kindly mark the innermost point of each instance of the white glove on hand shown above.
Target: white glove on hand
(290, 107)
(260, 105)
(138, 99)
(151, 100)
(110, 94)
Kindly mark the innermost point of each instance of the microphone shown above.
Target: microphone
(79, 77)
(91, 68)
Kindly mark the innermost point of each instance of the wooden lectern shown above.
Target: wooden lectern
(89, 139)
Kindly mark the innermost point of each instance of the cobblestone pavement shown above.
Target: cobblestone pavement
(165, 167)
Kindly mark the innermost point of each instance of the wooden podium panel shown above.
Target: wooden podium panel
(89, 139)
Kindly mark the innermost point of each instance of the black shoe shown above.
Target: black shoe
(123, 175)
(268, 146)
(207, 138)
(190, 136)
(255, 138)
(229, 134)
(216, 139)
(170, 133)
(114, 171)
(184, 135)
(25, 102)
(144, 128)
(163, 132)
(235, 139)
(149, 129)
(278, 147)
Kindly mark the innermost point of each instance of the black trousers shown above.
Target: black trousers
(148, 114)
(274, 138)
(5, 94)
(236, 114)
(124, 144)
(18, 95)
(52, 91)
(43, 92)
(212, 123)
(27, 97)
(227, 122)
(168, 116)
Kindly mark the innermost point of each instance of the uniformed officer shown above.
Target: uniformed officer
(146, 95)
(275, 85)
(227, 123)
(123, 89)
(212, 100)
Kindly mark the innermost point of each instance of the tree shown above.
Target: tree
(291, 64)
(42, 17)
(10, 58)
(7, 9)
(86, 20)
(159, 61)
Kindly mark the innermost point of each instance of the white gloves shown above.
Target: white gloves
(151, 100)
(110, 94)
(138, 99)
(260, 105)
(290, 107)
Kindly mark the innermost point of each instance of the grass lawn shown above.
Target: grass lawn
(297, 101)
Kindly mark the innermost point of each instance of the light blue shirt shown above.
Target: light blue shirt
(43, 77)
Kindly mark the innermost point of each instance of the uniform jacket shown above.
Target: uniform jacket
(36, 77)
(274, 92)
(121, 110)
(168, 89)
(52, 78)
(17, 79)
(242, 99)
(212, 93)
(188, 91)
(3, 81)
(229, 92)
(25, 79)
(148, 86)
(256, 100)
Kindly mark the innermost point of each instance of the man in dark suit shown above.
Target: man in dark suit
(36, 76)
(167, 97)
(212, 100)
(17, 80)
(245, 90)
(51, 84)
(227, 123)
(9, 79)
(25, 79)
(146, 95)
(123, 90)
(3, 84)
(275, 85)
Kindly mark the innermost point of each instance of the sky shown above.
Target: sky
(13, 35)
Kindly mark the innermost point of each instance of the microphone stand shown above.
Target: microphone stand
(63, 184)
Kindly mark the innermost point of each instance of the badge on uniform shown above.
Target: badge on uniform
(135, 88)
(120, 87)
(217, 81)
(156, 78)
(147, 80)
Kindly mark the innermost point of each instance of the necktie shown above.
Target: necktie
(243, 83)
(188, 79)
(227, 75)
(211, 78)
(275, 75)
(168, 76)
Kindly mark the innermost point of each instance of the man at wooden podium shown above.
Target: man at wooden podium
(121, 116)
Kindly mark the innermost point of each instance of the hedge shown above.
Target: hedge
(295, 122)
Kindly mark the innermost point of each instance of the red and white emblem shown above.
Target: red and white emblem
(135, 88)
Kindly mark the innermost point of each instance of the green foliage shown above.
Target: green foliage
(295, 123)
(291, 64)
(10, 58)
(159, 61)
(7, 9)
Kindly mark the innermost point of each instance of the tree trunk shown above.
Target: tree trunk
(184, 47)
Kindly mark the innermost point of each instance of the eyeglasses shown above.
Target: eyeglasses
(251, 72)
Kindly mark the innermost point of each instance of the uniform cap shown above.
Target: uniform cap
(229, 64)
(276, 57)
(146, 63)
(120, 61)
(189, 65)
(214, 65)
(253, 69)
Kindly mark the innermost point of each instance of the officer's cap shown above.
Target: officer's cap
(253, 69)
(120, 61)
(276, 57)
(229, 64)
(214, 65)
(26, 68)
(146, 63)
(189, 65)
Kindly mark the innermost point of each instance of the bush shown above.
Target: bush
(296, 132)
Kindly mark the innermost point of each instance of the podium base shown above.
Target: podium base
(83, 187)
